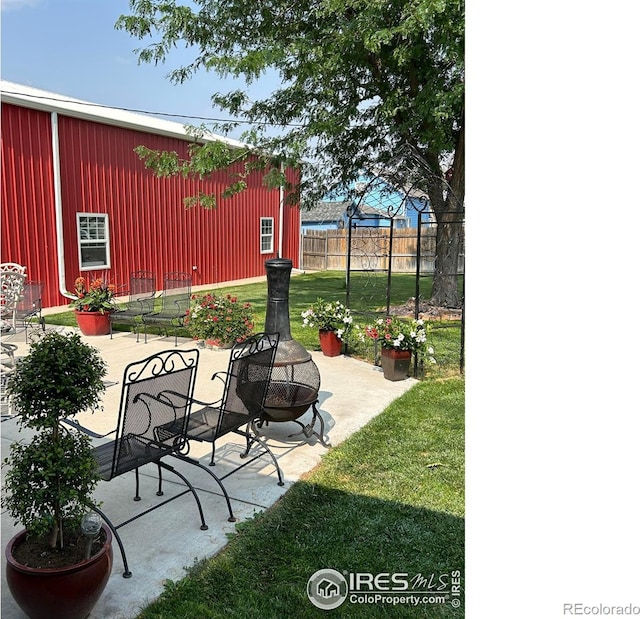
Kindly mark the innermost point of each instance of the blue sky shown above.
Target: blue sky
(71, 47)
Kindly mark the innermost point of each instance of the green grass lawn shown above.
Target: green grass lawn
(390, 499)
(368, 295)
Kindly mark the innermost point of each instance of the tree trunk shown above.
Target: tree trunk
(57, 539)
(447, 201)
(444, 292)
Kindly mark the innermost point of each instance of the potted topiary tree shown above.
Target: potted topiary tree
(50, 479)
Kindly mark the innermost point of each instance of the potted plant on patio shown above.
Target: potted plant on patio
(333, 321)
(399, 339)
(50, 479)
(219, 321)
(94, 303)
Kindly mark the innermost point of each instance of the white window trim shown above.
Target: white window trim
(106, 240)
(271, 235)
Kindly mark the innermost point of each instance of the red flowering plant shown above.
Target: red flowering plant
(398, 334)
(94, 296)
(219, 320)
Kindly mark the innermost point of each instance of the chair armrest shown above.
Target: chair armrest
(185, 399)
(221, 375)
(182, 305)
(147, 304)
(142, 305)
(84, 429)
(166, 433)
(167, 392)
(158, 398)
(172, 430)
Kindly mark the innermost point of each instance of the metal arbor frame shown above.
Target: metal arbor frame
(405, 175)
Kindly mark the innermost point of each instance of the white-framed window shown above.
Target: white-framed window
(94, 251)
(266, 235)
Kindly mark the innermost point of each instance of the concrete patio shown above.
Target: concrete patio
(163, 543)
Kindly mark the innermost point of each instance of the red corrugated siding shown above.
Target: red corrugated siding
(149, 226)
(28, 212)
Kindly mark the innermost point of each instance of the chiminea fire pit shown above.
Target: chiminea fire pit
(295, 379)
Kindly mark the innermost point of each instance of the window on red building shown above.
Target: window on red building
(93, 241)
(266, 235)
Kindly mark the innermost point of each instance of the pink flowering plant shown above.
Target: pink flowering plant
(328, 316)
(398, 334)
(219, 320)
(93, 296)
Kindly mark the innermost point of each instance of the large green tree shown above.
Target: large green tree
(360, 81)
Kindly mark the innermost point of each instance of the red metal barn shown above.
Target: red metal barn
(77, 199)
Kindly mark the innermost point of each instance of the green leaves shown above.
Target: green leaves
(50, 479)
(60, 377)
(357, 78)
(163, 163)
(53, 474)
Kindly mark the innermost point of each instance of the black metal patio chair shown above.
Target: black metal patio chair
(175, 301)
(142, 292)
(30, 307)
(245, 386)
(150, 427)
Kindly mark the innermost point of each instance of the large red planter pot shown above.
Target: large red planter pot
(330, 343)
(63, 593)
(395, 363)
(94, 323)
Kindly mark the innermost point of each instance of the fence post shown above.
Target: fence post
(390, 266)
(348, 266)
(326, 249)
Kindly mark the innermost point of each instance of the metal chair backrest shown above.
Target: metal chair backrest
(31, 302)
(176, 294)
(151, 423)
(142, 285)
(30, 305)
(247, 381)
(11, 290)
(13, 267)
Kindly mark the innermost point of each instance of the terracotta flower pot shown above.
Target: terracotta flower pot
(94, 323)
(330, 343)
(395, 363)
(66, 593)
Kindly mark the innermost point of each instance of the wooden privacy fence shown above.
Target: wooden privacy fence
(326, 250)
